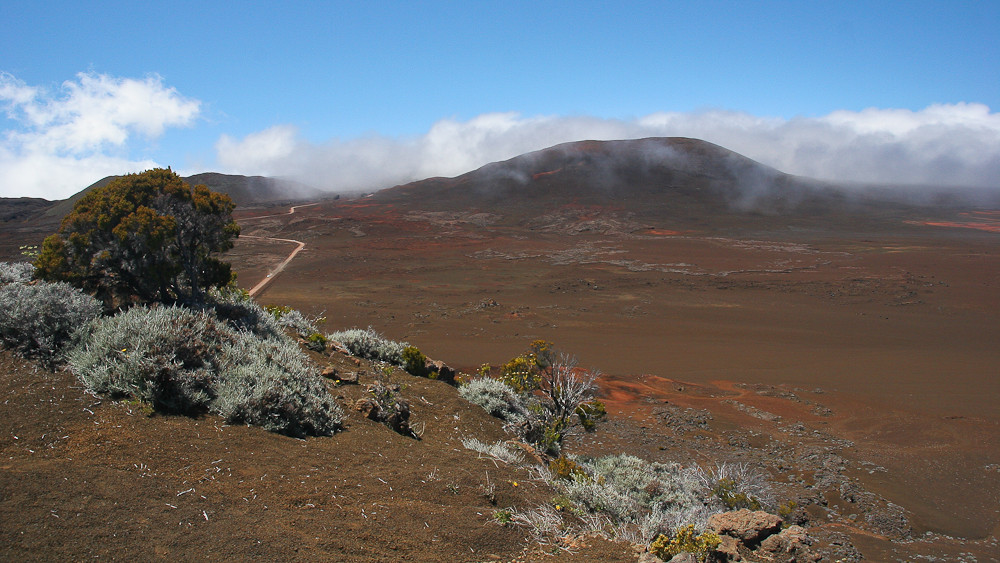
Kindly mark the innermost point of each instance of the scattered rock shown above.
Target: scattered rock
(791, 545)
(750, 527)
(753, 411)
(684, 419)
(729, 548)
(647, 557)
(336, 347)
(443, 371)
(349, 378)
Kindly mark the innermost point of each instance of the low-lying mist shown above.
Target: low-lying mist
(941, 146)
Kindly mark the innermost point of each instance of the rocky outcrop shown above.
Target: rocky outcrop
(344, 378)
(748, 535)
(791, 545)
(443, 371)
(749, 527)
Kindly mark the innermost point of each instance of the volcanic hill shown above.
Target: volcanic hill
(687, 183)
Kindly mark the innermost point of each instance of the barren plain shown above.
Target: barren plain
(874, 347)
(848, 349)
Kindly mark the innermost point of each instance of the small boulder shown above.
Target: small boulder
(685, 557)
(750, 527)
(350, 378)
(729, 548)
(791, 545)
(331, 372)
(443, 371)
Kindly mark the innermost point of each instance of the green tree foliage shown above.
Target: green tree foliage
(143, 238)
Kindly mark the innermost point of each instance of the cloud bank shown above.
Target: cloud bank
(55, 142)
(941, 145)
(82, 132)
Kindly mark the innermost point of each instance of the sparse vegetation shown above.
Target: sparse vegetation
(498, 451)
(191, 362)
(684, 540)
(384, 404)
(415, 362)
(370, 344)
(503, 516)
(737, 485)
(38, 320)
(537, 394)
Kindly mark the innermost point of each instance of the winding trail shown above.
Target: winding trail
(277, 270)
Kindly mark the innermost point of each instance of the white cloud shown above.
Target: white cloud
(945, 144)
(54, 142)
(81, 133)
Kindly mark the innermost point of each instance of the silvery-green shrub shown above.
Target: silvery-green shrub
(299, 323)
(370, 344)
(39, 319)
(270, 383)
(168, 356)
(186, 361)
(241, 312)
(654, 497)
(16, 272)
(496, 398)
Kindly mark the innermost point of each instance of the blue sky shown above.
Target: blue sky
(362, 95)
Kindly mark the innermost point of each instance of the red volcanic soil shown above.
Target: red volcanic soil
(873, 342)
(82, 477)
(988, 221)
(845, 347)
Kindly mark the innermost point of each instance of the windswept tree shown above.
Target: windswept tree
(143, 238)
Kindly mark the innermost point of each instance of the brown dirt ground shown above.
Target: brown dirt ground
(82, 477)
(878, 346)
(897, 325)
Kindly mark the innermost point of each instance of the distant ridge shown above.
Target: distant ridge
(246, 191)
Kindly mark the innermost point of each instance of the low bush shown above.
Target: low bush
(590, 413)
(241, 312)
(38, 320)
(294, 320)
(385, 405)
(270, 383)
(652, 497)
(685, 541)
(415, 362)
(539, 394)
(167, 356)
(738, 485)
(16, 272)
(499, 451)
(316, 342)
(496, 398)
(565, 468)
(191, 362)
(370, 344)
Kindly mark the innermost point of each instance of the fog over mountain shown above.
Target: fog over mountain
(941, 145)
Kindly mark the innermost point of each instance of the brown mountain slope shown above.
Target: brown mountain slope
(246, 191)
(666, 173)
(671, 183)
